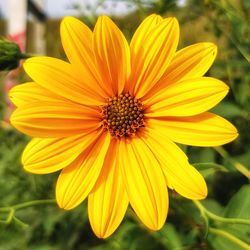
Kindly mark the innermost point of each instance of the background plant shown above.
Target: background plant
(220, 222)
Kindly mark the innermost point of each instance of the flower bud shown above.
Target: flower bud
(10, 55)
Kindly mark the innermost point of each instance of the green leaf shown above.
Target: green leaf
(209, 168)
(209, 165)
(227, 109)
(238, 207)
(169, 237)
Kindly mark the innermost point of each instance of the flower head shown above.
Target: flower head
(109, 119)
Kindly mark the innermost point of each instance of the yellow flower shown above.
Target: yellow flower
(110, 118)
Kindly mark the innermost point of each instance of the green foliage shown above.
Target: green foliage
(238, 207)
(225, 22)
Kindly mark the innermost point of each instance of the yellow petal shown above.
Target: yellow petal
(63, 79)
(47, 155)
(108, 201)
(139, 38)
(144, 182)
(50, 120)
(180, 175)
(191, 62)
(76, 181)
(151, 59)
(29, 92)
(77, 41)
(188, 97)
(142, 32)
(112, 54)
(206, 129)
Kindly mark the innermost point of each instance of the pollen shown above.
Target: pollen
(123, 115)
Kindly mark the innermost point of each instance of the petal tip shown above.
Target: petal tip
(209, 49)
(213, 49)
(28, 64)
(159, 225)
(31, 60)
(69, 20)
(210, 45)
(202, 192)
(24, 161)
(174, 21)
(102, 235)
(12, 119)
(234, 135)
(226, 88)
(62, 204)
(104, 19)
(156, 226)
(11, 94)
(233, 130)
(29, 169)
(221, 86)
(174, 25)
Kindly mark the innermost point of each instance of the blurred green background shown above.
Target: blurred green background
(224, 22)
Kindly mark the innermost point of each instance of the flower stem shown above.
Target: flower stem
(230, 237)
(24, 56)
(218, 218)
(240, 167)
(33, 203)
(12, 209)
(20, 223)
(27, 204)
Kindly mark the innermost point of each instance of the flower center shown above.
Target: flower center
(123, 115)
